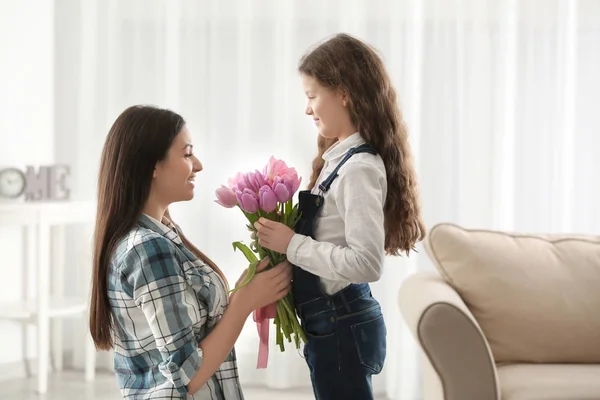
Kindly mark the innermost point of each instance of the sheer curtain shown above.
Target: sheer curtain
(501, 97)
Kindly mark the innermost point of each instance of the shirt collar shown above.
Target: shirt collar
(165, 228)
(341, 148)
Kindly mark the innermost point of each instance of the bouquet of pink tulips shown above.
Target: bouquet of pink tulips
(267, 194)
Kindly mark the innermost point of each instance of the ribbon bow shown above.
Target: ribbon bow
(262, 317)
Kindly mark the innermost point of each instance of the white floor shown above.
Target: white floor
(70, 386)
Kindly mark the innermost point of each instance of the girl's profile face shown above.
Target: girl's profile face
(327, 108)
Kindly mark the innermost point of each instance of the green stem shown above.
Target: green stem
(286, 320)
(279, 338)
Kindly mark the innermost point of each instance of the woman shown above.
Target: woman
(159, 302)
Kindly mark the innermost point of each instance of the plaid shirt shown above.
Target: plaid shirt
(165, 301)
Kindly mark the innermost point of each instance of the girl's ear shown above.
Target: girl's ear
(343, 94)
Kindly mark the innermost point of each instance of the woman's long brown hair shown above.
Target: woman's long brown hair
(346, 63)
(139, 138)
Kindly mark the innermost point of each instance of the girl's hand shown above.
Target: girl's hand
(272, 235)
(253, 237)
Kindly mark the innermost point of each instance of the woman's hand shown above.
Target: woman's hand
(266, 287)
(273, 235)
(241, 278)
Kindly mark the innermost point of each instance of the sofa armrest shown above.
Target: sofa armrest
(450, 338)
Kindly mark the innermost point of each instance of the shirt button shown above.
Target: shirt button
(332, 319)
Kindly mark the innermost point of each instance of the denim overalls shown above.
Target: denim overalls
(346, 332)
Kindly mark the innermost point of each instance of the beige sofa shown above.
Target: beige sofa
(507, 316)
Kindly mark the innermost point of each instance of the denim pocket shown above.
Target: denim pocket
(321, 324)
(370, 340)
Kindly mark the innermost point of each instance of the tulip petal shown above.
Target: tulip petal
(268, 199)
(226, 197)
(282, 192)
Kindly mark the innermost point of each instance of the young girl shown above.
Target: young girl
(158, 301)
(363, 203)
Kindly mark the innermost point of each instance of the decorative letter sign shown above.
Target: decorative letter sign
(47, 183)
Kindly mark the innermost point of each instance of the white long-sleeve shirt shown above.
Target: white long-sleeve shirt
(349, 231)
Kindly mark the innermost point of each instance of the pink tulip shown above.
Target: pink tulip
(285, 186)
(247, 200)
(292, 179)
(267, 199)
(296, 181)
(282, 191)
(275, 168)
(226, 197)
(233, 181)
(276, 171)
(254, 180)
(241, 185)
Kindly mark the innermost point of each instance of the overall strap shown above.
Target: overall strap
(363, 148)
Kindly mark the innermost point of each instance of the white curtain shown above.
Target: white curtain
(501, 97)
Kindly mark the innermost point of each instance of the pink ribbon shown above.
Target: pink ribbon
(261, 317)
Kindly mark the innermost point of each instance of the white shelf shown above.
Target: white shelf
(44, 225)
(60, 213)
(58, 307)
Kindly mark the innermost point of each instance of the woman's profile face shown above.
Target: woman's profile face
(174, 177)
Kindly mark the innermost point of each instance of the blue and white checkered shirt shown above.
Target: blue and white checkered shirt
(165, 301)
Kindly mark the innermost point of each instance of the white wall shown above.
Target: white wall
(26, 128)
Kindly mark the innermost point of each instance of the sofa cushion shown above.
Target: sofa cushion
(535, 297)
(549, 382)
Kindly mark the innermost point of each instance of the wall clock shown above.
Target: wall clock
(12, 183)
